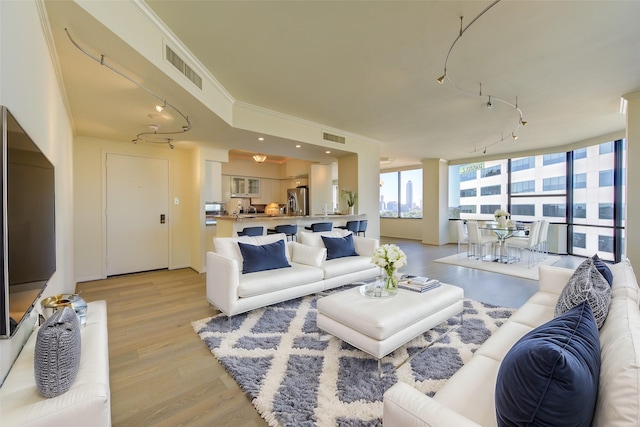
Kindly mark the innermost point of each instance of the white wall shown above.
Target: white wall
(29, 88)
(89, 173)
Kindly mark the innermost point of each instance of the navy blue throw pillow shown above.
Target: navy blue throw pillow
(263, 257)
(550, 376)
(603, 269)
(339, 247)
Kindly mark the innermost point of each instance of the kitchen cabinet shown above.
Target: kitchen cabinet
(245, 187)
(269, 192)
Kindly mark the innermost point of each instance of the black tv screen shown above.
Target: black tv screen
(28, 224)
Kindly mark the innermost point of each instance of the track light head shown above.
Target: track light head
(523, 123)
(441, 78)
(160, 108)
(484, 151)
(514, 136)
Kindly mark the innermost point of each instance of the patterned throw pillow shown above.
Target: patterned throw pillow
(586, 284)
(57, 353)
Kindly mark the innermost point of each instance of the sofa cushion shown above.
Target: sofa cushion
(625, 284)
(586, 284)
(228, 246)
(269, 281)
(618, 401)
(270, 256)
(347, 265)
(603, 269)
(550, 376)
(315, 239)
(308, 255)
(57, 353)
(339, 247)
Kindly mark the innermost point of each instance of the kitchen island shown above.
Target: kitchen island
(229, 225)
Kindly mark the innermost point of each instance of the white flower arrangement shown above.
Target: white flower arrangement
(501, 212)
(389, 257)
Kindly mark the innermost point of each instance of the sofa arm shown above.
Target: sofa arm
(223, 279)
(553, 279)
(405, 406)
(365, 246)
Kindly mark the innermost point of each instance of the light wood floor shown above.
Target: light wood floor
(162, 374)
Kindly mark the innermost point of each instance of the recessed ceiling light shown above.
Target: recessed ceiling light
(298, 145)
(260, 139)
(327, 152)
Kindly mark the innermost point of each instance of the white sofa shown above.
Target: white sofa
(233, 292)
(467, 398)
(86, 403)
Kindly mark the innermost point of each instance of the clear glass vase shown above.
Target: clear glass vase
(390, 281)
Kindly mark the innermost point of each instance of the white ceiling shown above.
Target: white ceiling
(370, 68)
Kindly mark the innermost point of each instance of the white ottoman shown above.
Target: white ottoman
(380, 325)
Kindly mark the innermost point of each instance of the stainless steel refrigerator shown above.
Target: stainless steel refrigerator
(298, 201)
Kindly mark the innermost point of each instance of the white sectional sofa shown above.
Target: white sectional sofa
(86, 403)
(233, 292)
(467, 398)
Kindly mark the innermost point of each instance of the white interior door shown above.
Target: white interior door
(137, 214)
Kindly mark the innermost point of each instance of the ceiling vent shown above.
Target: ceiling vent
(333, 138)
(182, 66)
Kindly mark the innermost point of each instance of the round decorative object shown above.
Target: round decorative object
(272, 209)
(376, 290)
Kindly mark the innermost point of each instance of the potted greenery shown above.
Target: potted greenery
(350, 197)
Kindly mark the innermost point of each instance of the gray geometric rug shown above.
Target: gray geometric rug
(297, 375)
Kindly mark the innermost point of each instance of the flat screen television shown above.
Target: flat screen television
(27, 234)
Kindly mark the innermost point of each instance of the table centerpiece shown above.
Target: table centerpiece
(389, 258)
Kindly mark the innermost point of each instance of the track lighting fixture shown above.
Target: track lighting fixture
(491, 99)
(152, 135)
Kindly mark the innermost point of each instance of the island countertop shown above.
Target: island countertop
(229, 225)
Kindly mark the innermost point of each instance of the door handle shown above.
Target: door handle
(162, 219)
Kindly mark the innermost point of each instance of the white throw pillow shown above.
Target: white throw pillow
(308, 255)
(315, 239)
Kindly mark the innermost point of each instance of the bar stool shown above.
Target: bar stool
(363, 227)
(288, 229)
(320, 226)
(251, 231)
(353, 226)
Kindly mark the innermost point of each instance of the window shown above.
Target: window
(580, 180)
(556, 183)
(605, 243)
(401, 194)
(468, 176)
(490, 171)
(553, 210)
(606, 178)
(523, 187)
(470, 192)
(524, 210)
(605, 210)
(606, 148)
(580, 153)
(522, 164)
(550, 159)
(468, 209)
(580, 240)
(489, 209)
(579, 210)
(490, 190)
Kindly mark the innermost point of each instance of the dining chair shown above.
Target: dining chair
(320, 226)
(289, 230)
(463, 235)
(251, 231)
(542, 239)
(529, 243)
(479, 241)
(353, 226)
(363, 227)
